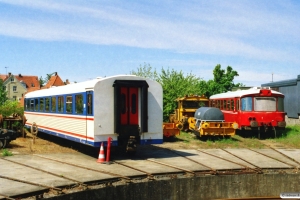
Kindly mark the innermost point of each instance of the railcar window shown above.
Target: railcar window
(280, 104)
(53, 104)
(231, 104)
(69, 104)
(31, 104)
(27, 104)
(123, 103)
(36, 104)
(246, 104)
(224, 105)
(221, 104)
(133, 103)
(79, 104)
(238, 104)
(89, 104)
(265, 104)
(60, 104)
(42, 105)
(47, 104)
(213, 103)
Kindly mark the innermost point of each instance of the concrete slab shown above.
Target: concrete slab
(175, 158)
(291, 153)
(257, 159)
(9, 169)
(225, 155)
(149, 167)
(209, 161)
(13, 188)
(90, 162)
(278, 156)
(60, 169)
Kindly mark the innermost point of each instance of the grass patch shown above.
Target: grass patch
(290, 137)
(6, 152)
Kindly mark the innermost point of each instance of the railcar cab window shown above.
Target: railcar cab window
(69, 104)
(192, 104)
(280, 104)
(79, 104)
(265, 104)
(246, 104)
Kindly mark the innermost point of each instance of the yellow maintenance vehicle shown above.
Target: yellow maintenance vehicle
(193, 114)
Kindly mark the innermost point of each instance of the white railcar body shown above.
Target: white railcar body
(92, 111)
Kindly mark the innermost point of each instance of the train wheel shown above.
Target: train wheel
(2, 144)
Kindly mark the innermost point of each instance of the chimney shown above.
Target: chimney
(20, 75)
(67, 82)
(9, 74)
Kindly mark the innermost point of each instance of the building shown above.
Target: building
(17, 85)
(291, 89)
(54, 81)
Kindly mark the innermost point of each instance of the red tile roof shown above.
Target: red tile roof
(30, 81)
(54, 81)
(3, 77)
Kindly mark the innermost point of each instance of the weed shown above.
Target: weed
(6, 152)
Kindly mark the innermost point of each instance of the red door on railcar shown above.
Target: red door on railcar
(129, 106)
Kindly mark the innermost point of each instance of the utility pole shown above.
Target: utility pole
(272, 76)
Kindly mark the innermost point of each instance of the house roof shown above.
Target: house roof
(3, 77)
(30, 81)
(54, 81)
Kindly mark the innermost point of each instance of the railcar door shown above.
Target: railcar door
(129, 106)
(130, 110)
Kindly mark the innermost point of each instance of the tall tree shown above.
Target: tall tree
(223, 80)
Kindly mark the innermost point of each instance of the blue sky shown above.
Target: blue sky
(82, 40)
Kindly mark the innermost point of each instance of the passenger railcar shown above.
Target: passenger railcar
(125, 108)
(253, 109)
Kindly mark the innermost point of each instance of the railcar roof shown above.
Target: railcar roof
(241, 93)
(77, 87)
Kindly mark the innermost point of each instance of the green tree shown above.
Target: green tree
(223, 80)
(9, 108)
(146, 71)
(3, 93)
(177, 84)
(42, 81)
